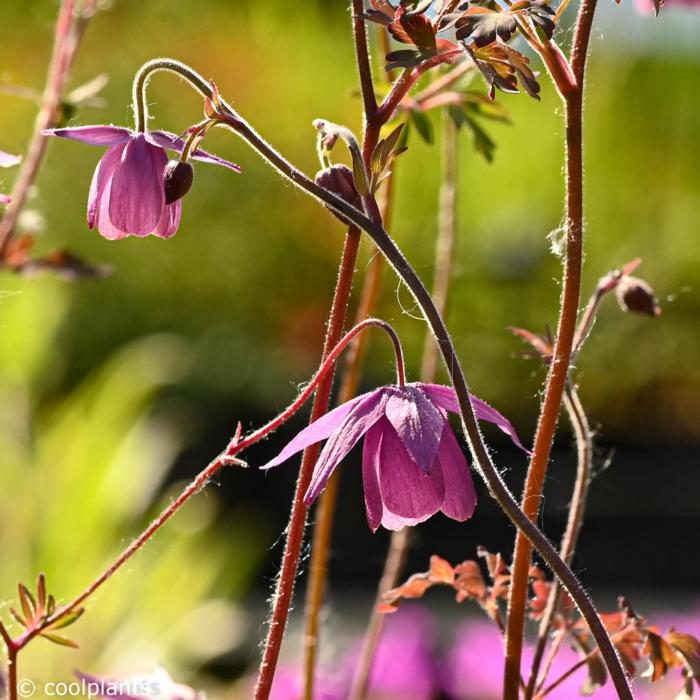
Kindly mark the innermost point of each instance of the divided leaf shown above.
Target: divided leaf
(483, 26)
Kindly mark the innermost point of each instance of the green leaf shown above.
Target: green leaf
(41, 593)
(59, 639)
(19, 618)
(67, 619)
(423, 125)
(27, 601)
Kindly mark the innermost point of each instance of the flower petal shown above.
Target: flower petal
(370, 467)
(320, 429)
(407, 491)
(100, 135)
(417, 422)
(104, 224)
(362, 417)
(100, 179)
(5, 199)
(460, 496)
(169, 220)
(174, 143)
(446, 397)
(7, 160)
(137, 197)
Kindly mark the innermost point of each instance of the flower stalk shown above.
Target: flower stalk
(584, 449)
(73, 18)
(559, 368)
(444, 250)
(486, 468)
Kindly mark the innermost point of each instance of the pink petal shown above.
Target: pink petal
(417, 422)
(137, 198)
(445, 397)
(104, 224)
(174, 143)
(7, 160)
(362, 417)
(4, 199)
(370, 468)
(94, 135)
(319, 430)
(100, 179)
(460, 496)
(169, 220)
(407, 491)
(393, 522)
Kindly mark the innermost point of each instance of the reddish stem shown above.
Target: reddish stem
(559, 368)
(407, 80)
(236, 446)
(69, 30)
(297, 521)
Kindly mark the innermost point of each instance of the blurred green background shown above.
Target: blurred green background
(114, 391)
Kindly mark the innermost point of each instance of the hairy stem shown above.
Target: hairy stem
(444, 248)
(230, 119)
(325, 514)
(326, 511)
(237, 445)
(559, 367)
(297, 521)
(482, 459)
(584, 449)
(70, 26)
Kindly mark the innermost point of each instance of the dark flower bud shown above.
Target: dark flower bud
(339, 180)
(636, 296)
(177, 180)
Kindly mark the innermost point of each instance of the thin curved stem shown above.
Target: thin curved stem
(483, 463)
(584, 449)
(229, 456)
(559, 367)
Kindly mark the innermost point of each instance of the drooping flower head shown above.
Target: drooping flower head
(7, 160)
(127, 194)
(412, 464)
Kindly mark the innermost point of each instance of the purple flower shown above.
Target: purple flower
(412, 464)
(127, 196)
(7, 160)
(404, 665)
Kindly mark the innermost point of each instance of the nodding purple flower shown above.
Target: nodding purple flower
(412, 464)
(127, 195)
(7, 160)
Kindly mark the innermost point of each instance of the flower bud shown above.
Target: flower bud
(177, 180)
(636, 296)
(339, 180)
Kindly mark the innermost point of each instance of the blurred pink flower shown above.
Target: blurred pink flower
(412, 464)
(404, 664)
(474, 668)
(127, 194)
(646, 7)
(7, 160)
